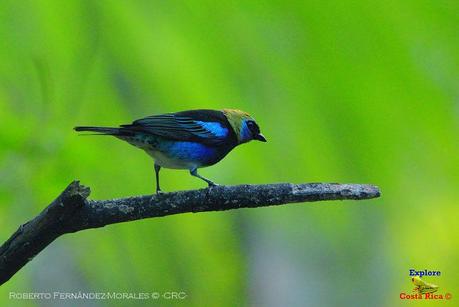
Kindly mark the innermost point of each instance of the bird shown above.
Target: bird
(187, 140)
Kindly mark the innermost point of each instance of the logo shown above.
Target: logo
(423, 287)
(424, 290)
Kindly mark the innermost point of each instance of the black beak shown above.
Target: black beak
(260, 137)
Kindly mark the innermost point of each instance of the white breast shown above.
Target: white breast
(167, 162)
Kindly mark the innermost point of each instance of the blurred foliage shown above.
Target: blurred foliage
(353, 91)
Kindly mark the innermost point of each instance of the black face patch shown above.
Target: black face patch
(253, 127)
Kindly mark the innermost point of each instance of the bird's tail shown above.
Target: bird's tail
(102, 130)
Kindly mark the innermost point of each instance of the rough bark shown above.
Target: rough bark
(72, 211)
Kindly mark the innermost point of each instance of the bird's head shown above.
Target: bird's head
(244, 126)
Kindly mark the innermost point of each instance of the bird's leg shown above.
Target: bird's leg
(157, 168)
(194, 172)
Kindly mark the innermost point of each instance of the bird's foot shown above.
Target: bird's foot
(157, 194)
(212, 184)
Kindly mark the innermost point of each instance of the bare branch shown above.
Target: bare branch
(72, 211)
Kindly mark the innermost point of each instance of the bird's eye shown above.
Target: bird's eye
(253, 127)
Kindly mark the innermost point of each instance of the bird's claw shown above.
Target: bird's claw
(158, 193)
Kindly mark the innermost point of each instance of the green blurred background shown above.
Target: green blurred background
(353, 91)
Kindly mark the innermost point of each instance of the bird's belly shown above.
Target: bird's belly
(178, 154)
(168, 161)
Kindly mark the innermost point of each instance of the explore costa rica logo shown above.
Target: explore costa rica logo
(423, 289)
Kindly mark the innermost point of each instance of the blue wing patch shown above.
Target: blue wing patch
(213, 127)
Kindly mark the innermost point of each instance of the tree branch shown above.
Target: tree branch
(72, 211)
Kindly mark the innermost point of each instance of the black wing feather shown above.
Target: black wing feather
(182, 126)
